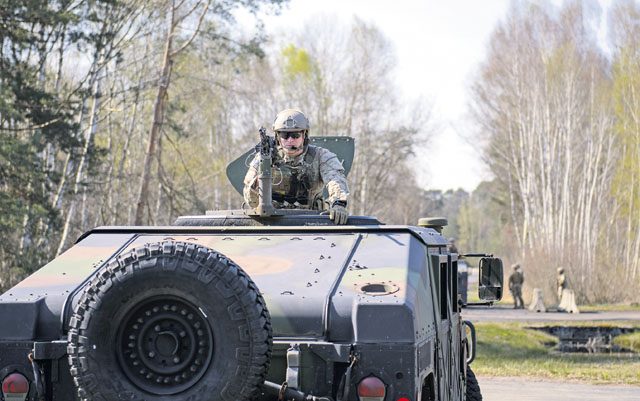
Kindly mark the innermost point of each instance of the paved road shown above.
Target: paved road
(525, 389)
(502, 314)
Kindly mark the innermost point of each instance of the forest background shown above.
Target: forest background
(120, 112)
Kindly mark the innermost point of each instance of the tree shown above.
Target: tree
(111, 26)
(341, 77)
(180, 13)
(626, 183)
(542, 100)
(35, 122)
(176, 15)
(75, 86)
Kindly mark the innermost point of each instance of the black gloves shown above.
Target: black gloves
(338, 212)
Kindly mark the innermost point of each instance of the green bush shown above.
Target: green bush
(629, 341)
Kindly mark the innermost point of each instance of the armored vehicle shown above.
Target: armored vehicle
(238, 305)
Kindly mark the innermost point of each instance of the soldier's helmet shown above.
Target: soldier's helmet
(515, 266)
(560, 270)
(289, 120)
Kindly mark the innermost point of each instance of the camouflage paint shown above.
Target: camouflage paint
(41, 296)
(360, 288)
(298, 273)
(63, 274)
(396, 266)
(295, 272)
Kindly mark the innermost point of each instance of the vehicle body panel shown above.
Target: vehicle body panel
(40, 298)
(335, 294)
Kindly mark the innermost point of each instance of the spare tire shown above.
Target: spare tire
(170, 320)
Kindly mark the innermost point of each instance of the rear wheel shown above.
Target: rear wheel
(473, 388)
(170, 319)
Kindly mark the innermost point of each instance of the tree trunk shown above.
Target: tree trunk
(158, 118)
(93, 123)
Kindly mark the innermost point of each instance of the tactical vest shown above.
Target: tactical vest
(293, 183)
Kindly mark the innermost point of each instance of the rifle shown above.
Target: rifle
(266, 149)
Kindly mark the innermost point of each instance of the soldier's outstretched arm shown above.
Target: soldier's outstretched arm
(333, 177)
(332, 174)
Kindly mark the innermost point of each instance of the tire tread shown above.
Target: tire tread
(473, 388)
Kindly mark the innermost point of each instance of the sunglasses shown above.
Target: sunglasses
(287, 135)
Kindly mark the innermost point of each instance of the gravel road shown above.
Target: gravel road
(525, 389)
(505, 314)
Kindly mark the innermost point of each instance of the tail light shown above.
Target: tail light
(371, 389)
(15, 387)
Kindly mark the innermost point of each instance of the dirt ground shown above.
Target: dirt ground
(524, 389)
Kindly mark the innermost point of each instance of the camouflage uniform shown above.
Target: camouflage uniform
(298, 182)
(516, 280)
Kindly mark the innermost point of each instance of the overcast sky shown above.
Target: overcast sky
(439, 46)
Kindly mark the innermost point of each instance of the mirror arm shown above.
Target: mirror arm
(487, 303)
(477, 255)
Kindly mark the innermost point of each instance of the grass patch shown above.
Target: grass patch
(629, 341)
(511, 349)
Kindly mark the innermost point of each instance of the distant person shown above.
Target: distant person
(561, 282)
(566, 296)
(452, 246)
(516, 280)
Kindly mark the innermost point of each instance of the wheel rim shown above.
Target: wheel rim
(165, 345)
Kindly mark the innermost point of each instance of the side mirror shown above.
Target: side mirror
(491, 279)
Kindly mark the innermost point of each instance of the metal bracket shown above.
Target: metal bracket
(283, 390)
(49, 349)
(294, 357)
(345, 383)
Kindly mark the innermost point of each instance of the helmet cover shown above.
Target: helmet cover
(290, 120)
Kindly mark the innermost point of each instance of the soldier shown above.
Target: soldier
(452, 245)
(561, 282)
(301, 171)
(516, 279)
(566, 296)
